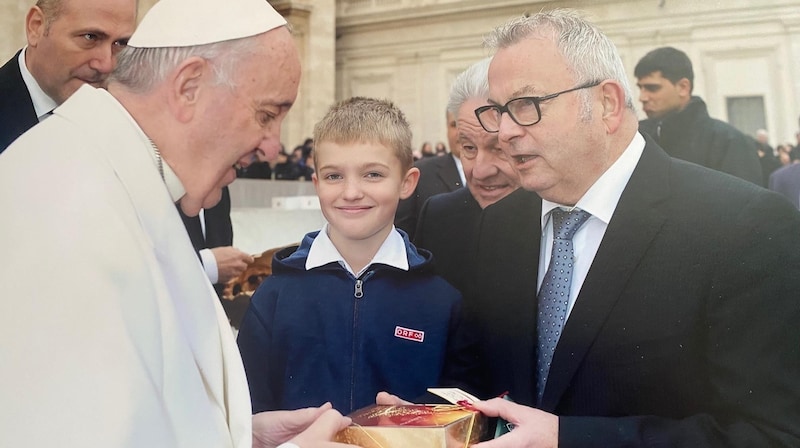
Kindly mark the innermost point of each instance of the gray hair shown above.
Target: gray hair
(141, 69)
(471, 83)
(589, 52)
(51, 9)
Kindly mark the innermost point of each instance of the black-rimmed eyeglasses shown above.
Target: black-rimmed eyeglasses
(524, 111)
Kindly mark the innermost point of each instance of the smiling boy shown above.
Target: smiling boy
(356, 308)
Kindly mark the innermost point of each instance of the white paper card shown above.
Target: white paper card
(452, 394)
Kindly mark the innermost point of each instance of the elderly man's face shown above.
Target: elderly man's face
(562, 155)
(489, 175)
(79, 46)
(243, 124)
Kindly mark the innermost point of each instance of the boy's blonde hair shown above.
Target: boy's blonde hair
(360, 119)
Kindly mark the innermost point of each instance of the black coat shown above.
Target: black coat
(17, 114)
(437, 175)
(684, 332)
(448, 227)
(219, 229)
(693, 135)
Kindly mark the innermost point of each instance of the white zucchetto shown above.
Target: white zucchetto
(184, 23)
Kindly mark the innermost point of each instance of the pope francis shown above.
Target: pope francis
(111, 333)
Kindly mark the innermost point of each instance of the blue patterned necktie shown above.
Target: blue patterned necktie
(554, 293)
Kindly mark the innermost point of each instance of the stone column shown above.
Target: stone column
(313, 26)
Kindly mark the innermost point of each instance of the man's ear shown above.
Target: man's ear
(684, 87)
(613, 105)
(35, 26)
(186, 83)
(409, 183)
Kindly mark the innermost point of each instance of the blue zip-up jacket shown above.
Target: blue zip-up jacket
(323, 335)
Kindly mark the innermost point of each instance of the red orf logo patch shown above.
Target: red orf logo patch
(407, 333)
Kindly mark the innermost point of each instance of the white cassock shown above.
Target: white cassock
(110, 333)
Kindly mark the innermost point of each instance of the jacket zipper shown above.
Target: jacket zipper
(358, 294)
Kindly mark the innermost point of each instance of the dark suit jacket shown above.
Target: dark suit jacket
(692, 135)
(17, 114)
(685, 331)
(219, 230)
(437, 175)
(448, 227)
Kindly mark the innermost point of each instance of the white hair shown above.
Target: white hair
(589, 52)
(141, 69)
(471, 83)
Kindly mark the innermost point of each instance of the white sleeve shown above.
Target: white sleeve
(210, 265)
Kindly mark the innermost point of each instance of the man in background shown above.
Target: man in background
(786, 181)
(680, 123)
(70, 43)
(448, 222)
(211, 233)
(437, 175)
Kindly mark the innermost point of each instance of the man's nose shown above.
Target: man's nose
(508, 129)
(268, 150)
(104, 60)
(483, 168)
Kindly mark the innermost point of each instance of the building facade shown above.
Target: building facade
(746, 53)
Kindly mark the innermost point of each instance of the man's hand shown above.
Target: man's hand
(532, 428)
(230, 262)
(306, 428)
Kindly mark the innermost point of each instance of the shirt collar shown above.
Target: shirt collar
(174, 185)
(42, 103)
(460, 168)
(392, 253)
(602, 197)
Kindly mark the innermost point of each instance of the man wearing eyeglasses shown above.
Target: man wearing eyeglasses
(627, 299)
(448, 222)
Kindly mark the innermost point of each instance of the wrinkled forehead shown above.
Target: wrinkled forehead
(470, 130)
(274, 69)
(466, 113)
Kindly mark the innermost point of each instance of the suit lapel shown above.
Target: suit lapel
(617, 258)
(448, 173)
(16, 108)
(509, 253)
(193, 228)
(219, 231)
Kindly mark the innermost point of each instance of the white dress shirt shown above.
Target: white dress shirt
(42, 103)
(392, 252)
(600, 200)
(460, 168)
